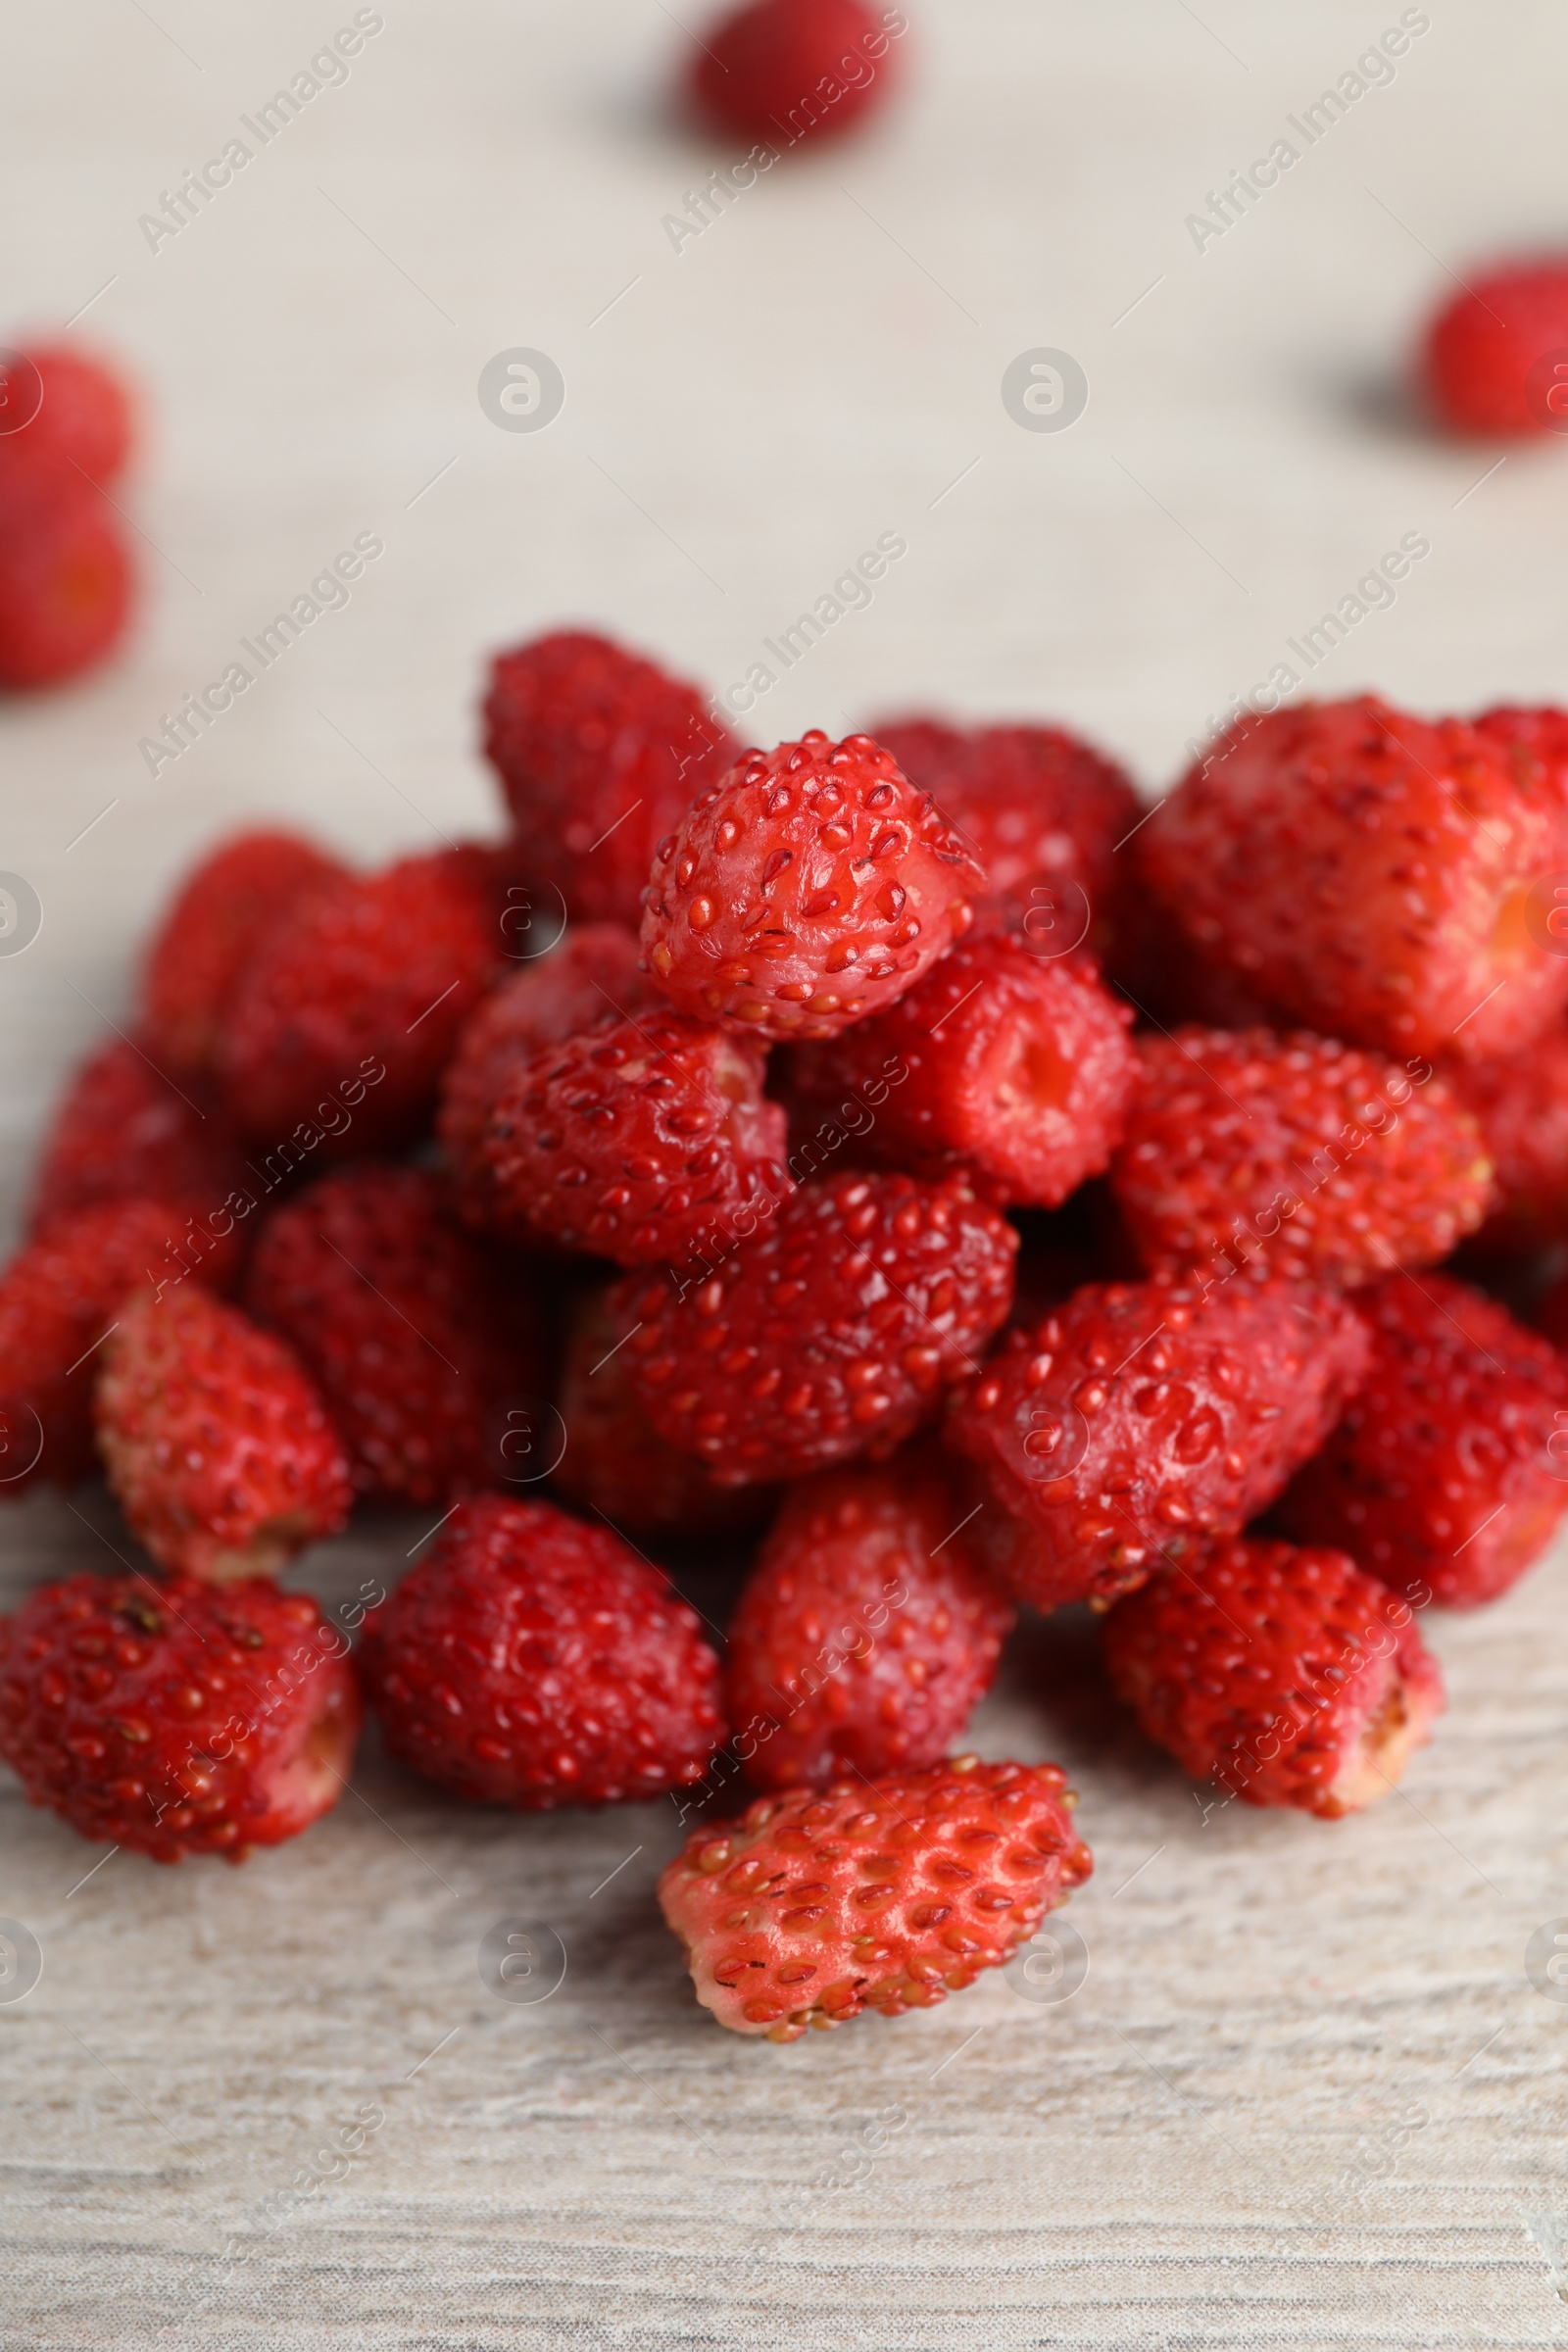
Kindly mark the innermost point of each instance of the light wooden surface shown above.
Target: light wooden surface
(1214, 2143)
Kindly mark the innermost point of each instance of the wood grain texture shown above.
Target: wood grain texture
(1213, 2144)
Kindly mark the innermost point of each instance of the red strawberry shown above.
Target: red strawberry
(176, 1719)
(59, 1300)
(1443, 1479)
(1042, 813)
(590, 979)
(834, 1332)
(65, 409)
(416, 1339)
(616, 1464)
(1520, 1104)
(807, 889)
(781, 70)
(599, 754)
(65, 575)
(633, 1140)
(867, 1634)
(529, 1660)
(886, 1895)
(1287, 1677)
(1327, 1163)
(216, 1443)
(357, 994)
(1534, 739)
(122, 1128)
(1018, 1067)
(1376, 877)
(1142, 1415)
(1488, 358)
(220, 915)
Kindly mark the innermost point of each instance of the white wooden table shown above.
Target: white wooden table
(1306, 2095)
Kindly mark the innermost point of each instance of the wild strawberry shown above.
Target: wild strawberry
(59, 1300)
(1377, 878)
(785, 69)
(58, 405)
(834, 1332)
(599, 754)
(1143, 1415)
(807, 889)
(590, 979)
(176, 1719)
(122, 1128)
(417, 1338)
(866, 1634)
(65, 575)
(617, 1465)
(886, 1895)
(1017, 1066)
(1520, 1104)
(529, 1660)
(1488, 360)
(633, 1140)
(1287, 1677)
(1444, 1479)
(1534, 737)
(220, 915)
(1327, 1163)
(358, 994)
(216, 1443)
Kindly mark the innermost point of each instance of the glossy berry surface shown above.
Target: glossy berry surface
(535, 1661)
(176, 1719)
(599, 754)
(807, 889)
(1286, 1675)
(781, 70)
(1141, 1416)
(216, 1443)
(885, 1895)
(220, 915)
(1520, 1104)
(1449, 1471)
(1489, 356)
(123, 1128)
(1328, 1163)
(1017, 1066)
(867, 1633)
(834, 1331)
(67, 580)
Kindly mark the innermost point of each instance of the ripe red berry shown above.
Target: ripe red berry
(415, 1338)
(1371, 875)
(176, 1719)
(587, 981)
(781, 71)
(1326, 1163)
(1044, 815)
(1017, 1066)
(1495, 359)
(835, 1331)
(66, 410)
(1534, 739)
(1143, 1415)
(59, 1300)
(1287, 1677)
(531, 1660)
(357, 996)
(220, 915)
(867, 1634)
(886, 1895)
(216, 1443)
(66, 575)
(617, 1465)
(122, 1128)
(807, 889)
(1520, 1104)
(599, 754)
(1450, 1470)
(632, 1140)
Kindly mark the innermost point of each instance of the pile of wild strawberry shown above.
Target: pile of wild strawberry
(906, 1150)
